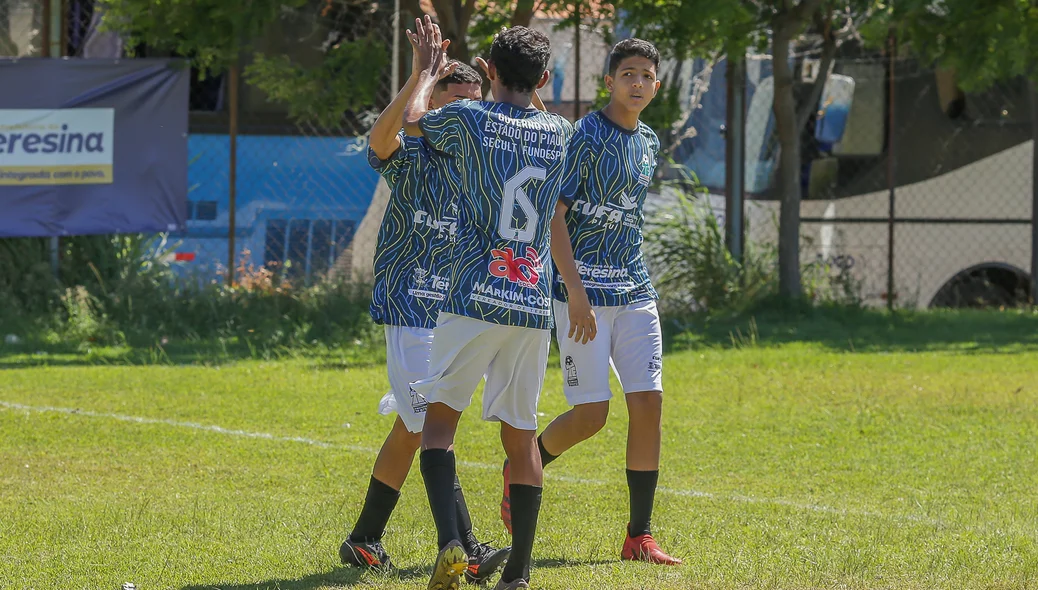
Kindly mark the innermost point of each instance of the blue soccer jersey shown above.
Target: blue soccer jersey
(416, 234)
(511, 163)
(607, 175)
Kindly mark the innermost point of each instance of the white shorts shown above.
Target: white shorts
(629, 339)
(512, 359)
(407, 361)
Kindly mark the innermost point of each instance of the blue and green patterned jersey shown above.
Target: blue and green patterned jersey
(511, 162)
(416, 235)
(607, 175)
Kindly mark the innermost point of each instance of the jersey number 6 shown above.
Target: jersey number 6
(514, 193)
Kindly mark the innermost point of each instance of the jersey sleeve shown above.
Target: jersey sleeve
(577, 164)
(395, 166)
(443, 127)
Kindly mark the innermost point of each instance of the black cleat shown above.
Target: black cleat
(364, 555)
(484, 560)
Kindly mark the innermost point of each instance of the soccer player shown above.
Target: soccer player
(497, 317)
(410, 282)
(605, 305)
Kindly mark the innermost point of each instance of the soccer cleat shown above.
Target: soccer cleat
(364, 555)
(484, 560)
(513, 585)
(447, 570)
(644, 548)
(506, 498)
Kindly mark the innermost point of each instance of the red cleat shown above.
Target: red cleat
(644, 548)
(506, 498)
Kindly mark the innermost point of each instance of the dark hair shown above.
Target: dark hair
(462, 74)
(632, 48)
(520, 56)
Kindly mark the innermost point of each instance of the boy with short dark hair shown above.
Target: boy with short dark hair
(414, 242)
(605, 305)
(497, 317)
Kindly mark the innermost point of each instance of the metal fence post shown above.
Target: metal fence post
(891, 180)
(735, 154)
(232, 173)
(1034, 191)
(576, 62)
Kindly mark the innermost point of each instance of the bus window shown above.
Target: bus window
(864, 134)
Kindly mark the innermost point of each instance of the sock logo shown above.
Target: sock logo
(571, 372)
(418, 403)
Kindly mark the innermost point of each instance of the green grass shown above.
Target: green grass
(819, 450)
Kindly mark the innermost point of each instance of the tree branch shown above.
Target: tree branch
(803, 11)
(466, 15)
(829, 45)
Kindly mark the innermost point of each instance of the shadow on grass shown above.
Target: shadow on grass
(350, 576)
(772, 323)
(34, 353)
(852, 329)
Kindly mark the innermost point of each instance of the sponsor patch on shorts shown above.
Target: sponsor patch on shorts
(655, 365)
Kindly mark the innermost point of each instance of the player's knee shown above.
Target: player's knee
(648, 404)
(591, 418)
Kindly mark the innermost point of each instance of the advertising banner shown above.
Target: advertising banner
(93, 146)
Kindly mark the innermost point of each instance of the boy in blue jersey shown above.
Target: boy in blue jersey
(605, 305)
(414, 243)
(497, 317)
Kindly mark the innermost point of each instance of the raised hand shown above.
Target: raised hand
(432, 49)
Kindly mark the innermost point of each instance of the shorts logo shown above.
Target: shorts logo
(571, 372)
(656, 364)
(524, 271)
(418, 403)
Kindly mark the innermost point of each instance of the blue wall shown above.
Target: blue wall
(292, 191)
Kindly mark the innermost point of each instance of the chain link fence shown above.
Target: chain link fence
(915, 193)
(307, 204)
(926, 200)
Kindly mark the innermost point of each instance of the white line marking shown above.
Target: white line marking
(371, 451)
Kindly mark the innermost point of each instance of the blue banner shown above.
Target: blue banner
(93, 146)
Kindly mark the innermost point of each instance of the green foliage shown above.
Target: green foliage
(116, 289)
(691, 267)
(345, 80)
(213, 33)
(693, 28)
(982, 42)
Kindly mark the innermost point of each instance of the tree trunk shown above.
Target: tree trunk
(453, 16)
(789, 163)
(523, 13)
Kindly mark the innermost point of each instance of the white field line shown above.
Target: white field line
(372, 451)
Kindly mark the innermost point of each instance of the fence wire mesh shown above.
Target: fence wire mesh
(907, 181)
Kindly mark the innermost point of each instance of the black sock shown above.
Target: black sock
(546, 457)
(378, 506)
(468, 539)
(526, 505)
(642, 485)
(438, 472)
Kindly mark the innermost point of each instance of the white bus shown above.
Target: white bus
(963, 178)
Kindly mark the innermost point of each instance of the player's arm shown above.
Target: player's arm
(583, 325)
(434, 65)
(385, 139)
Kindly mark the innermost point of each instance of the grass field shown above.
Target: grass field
(881, 453)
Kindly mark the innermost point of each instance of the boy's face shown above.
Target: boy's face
(453, 92)
(635, 84)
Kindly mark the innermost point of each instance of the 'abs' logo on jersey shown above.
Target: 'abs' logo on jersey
(445, 227)
(524, 271)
